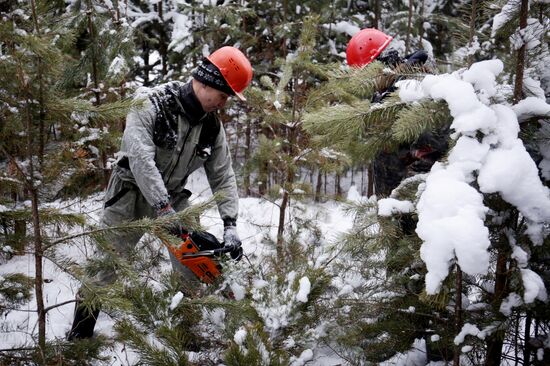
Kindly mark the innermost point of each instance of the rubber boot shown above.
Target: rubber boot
(84, 322)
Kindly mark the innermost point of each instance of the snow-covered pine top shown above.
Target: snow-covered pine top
(487, 152)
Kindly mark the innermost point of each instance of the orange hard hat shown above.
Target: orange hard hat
(365, 46)
(234, 67)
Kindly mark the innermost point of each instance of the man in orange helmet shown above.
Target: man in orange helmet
(390, 168)
(175, 132)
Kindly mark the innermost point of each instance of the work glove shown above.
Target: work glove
(417, 58)
(231, 238)
(173, 227)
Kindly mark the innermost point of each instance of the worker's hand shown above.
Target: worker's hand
(231, 238)
(173, 227)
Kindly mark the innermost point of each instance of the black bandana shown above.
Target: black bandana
(207, 73)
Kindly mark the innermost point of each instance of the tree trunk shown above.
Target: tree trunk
(163, 43)
(473, 15)
(38, 279)
(318, 186)
(97, 92)
(42, 113)
(95, 72)
(458, 313)
(421, 24)
(527, 336)
(20, 232)
(282, 212)
(281, 226)
(409, 28)
(376, 14)
(520, 63)
(146, 65)
(337, 187)
(496, 340)
(248, 148)
(236, 140)
(370, 180)
(283, 40)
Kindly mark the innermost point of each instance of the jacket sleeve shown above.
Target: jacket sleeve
(138, 145)
(221, 178)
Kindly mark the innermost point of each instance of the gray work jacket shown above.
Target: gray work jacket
(161, 144)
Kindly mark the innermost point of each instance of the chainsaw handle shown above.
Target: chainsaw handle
(224, 249)
(211, 252)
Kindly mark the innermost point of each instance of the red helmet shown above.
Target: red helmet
(235, 68)
(365, 46)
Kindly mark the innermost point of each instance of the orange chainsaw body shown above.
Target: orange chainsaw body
(204, 267)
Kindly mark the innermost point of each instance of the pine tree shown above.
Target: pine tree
(36, 133)
(285, 149)
(102, 60)
(406, 312)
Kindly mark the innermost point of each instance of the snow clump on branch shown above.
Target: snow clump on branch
(488, 154)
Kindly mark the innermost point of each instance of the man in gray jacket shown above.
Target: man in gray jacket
(174, 133)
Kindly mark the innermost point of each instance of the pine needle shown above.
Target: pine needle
(418, 118)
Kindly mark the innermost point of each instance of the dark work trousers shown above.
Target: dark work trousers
(123, 203)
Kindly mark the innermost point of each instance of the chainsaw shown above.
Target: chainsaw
(198, 252)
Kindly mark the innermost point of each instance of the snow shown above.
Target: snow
(467, 51)
(143, 18)
(530, 36)
(519, 255)
(390, 206)
(240, 336)
(343, 27)
(353, 195)
(409, 90)
(467, 329)
(118, 66)
(532, 87)
(505, 15)
(181, 32)
(427, 46)
(510, 171)
(531, 106)
(305, 356)
(513, 300)
(217, 317)
(238, 291)
(488, 152)
(415, 357)
(534, 286)
(450, 222)
(303, 292)
(176, 300)
(61, 288)
(482, 76)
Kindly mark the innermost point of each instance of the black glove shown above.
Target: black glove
(174, 227)
(417, 58)
(231, 238)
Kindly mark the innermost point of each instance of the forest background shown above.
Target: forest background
(329, 278)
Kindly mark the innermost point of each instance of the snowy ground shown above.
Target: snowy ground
(257, 217)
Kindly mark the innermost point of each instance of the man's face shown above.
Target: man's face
(211, 99)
